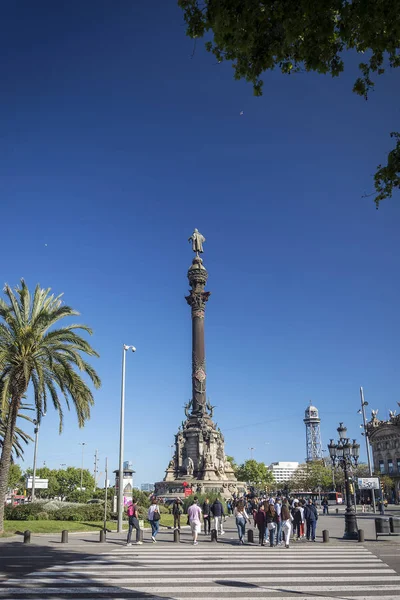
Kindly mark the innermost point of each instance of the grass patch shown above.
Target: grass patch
(12, 527)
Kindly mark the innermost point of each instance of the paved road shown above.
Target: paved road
(224, 570)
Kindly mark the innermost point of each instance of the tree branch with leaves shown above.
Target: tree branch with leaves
(308, 35)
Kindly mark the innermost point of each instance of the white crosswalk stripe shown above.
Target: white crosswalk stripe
(182, 572)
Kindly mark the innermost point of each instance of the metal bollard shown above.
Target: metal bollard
(361, 535)
(27, 537)
(337, 510)
(250, 536)
(141, 534)
(325, 536)
(177, 536)
(102, 536)
(214, 535)
(64, 536)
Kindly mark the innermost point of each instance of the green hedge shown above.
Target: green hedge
(38, 512)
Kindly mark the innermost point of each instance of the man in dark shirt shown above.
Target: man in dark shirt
(206, 516)
(218, 512)
(177, 510)
(311, 518)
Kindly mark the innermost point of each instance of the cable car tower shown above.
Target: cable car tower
(313, 434)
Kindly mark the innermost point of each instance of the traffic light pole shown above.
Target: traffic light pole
(363, 405)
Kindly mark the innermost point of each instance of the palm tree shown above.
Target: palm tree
(33, 353)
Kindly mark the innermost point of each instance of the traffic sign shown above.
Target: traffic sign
(368, 483)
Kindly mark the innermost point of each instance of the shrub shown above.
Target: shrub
(42, 516)
(24, 512)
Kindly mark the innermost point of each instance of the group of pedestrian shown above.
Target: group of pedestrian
(209, 511)
(275, 518)
(153, 516)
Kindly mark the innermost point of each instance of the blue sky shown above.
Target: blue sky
(114, 145)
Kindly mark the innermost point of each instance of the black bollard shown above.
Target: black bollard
(214, 535)
(64, 536)
(27, 537)
(361, 535)
(325, 536)
(250, 536)
(177, 536)
(102, 536)
(337, 510)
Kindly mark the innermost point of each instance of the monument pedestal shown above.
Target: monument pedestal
(200, 461)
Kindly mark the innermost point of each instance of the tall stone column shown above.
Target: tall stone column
(197, 299)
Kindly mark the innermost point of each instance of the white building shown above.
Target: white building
(283, 471)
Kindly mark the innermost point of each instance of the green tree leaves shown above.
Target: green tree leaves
(254, 473)
(302, 36)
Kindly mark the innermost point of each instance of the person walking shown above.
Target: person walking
(271, 521)
(325, 506)
(241, 517)
(153, 516)
(177, 510)
(133, 518)
(261, 522)
(194, 517)
(302, 530)
(297, 519)
(311, 518)
(206, 516)
(381, 506)
(278, 510)
(286, 523)
(217, 511)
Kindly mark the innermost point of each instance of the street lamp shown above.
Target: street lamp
(346, 453)
(251, 452)
(83, 444)
(365, 434)
(125, 348)
(36, 431)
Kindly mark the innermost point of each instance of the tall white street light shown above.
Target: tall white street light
(365, 434)
(125, 348)
(36, 430)
(83, 444)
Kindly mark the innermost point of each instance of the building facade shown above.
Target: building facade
(384, 437)
(283, 471)
(147, 487)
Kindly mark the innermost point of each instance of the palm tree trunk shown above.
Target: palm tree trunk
(5, 459)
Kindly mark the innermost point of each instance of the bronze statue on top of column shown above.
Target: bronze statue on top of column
(197, 299)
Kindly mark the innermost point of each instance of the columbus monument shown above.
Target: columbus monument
(199, 460)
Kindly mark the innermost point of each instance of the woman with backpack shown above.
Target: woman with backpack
(153, 516)
(260, 521)
(241, 518)
(133, 517)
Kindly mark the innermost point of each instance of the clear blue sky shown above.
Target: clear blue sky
(114, 145)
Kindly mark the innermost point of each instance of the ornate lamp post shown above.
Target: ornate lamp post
(345, 453)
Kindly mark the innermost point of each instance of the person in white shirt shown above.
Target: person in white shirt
(153, 516)
(241, 519)
(194, 516)
(278, 509)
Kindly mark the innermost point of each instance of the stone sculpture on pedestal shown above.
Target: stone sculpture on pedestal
(199, 444)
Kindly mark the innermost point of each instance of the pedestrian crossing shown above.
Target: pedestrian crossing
(182, 571)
